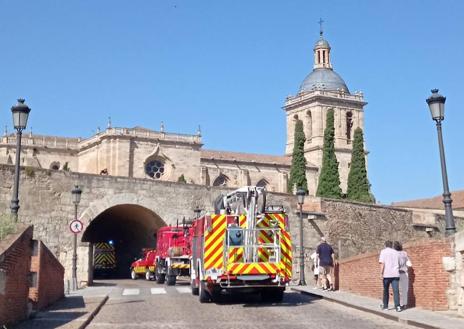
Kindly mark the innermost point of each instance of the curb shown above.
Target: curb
(93, 313)
(368, 310)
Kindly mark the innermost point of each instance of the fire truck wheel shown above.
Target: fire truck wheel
(160, 276)
(203, 294)
(133, 275)
(148, 275)
(194, 286)
(171, 280)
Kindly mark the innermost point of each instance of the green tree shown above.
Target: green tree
(298, 169)
(358, 184)
(329, 178)
(182, 179)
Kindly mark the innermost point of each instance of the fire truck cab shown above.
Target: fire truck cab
(173, 253)
(144, 266)
(244, 246)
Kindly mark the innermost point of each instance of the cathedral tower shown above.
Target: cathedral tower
(324, 89)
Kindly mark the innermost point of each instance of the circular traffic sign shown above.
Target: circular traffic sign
(76, 226)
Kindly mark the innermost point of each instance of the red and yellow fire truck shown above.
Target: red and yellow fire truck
(244, 246)
(173, 253)
(145, 265)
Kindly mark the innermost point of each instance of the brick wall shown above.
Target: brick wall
(429, 281)
(48, 277)
(15, 253)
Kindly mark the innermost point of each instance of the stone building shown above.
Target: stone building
(142, 153)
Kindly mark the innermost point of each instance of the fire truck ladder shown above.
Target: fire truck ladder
(246, 201)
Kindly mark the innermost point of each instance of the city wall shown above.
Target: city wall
(45, 201)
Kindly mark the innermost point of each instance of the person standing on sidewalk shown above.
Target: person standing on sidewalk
(315, 268)
(325, 255)
(405, 263)
(389, 260)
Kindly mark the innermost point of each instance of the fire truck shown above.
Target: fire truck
(144, 266)
(172, 253)
(104, 259)
(244, 246)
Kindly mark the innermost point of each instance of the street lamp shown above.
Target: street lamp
(76, 198)
(300, 194)
(436, 104)
(197, 212)
(20, 113)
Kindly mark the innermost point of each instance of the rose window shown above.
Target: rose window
(154, 169)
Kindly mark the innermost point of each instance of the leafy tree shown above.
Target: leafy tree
(358, 184)
(329, 178)
(182, 179)
(298, 169)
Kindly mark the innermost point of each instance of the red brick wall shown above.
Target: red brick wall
(428, 280)
(50, 278)
(15, 253)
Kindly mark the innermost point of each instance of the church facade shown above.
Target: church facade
(142, 153)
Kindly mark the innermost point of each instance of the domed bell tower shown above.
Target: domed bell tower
(321, 90)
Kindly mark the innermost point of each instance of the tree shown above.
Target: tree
(358, 184)
(298, 169)
(329, 178)
(182, 179)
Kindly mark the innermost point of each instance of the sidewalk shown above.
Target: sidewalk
(413, 316)
(75, 311)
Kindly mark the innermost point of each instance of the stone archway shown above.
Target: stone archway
(128, 220)
(128, 228)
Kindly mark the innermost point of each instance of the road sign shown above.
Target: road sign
(76, 226)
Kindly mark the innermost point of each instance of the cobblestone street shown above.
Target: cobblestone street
(142, 304)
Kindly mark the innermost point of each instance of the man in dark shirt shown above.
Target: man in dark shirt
(325, 255)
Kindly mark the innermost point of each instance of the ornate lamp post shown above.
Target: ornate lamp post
(300, 194)
(436, 104)
(20, 113)
(76, 197)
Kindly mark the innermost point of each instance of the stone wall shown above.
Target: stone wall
(356, 228)
(48, 277)
(455, 266)
(429, 281)
(15, 258)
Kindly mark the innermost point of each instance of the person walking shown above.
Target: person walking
(404, 265)
(315, 268)
(325, 255)
(389, 260)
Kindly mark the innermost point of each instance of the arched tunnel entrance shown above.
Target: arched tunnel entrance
(122, 230)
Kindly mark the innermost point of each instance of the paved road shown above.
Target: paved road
(142, 304)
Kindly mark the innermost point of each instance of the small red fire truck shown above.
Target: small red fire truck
(144, 266)
(244, 246)
(172, 253)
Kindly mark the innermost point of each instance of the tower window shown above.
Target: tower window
(349, 125)
(323, 57)
(318, 57)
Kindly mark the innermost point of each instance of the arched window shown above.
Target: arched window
(349, 125)
(55, 165)
(262, 183)
(221, 180)
(309, 126)
(154, 169)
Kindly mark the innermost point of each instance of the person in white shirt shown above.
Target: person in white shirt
(389, 260)
(315, 268)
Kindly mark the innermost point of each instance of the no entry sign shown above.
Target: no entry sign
(76, 226)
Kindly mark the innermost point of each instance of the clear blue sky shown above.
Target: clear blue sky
(228, 66)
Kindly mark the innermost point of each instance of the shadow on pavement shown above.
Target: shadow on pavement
(254, 300)
(49, 322)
